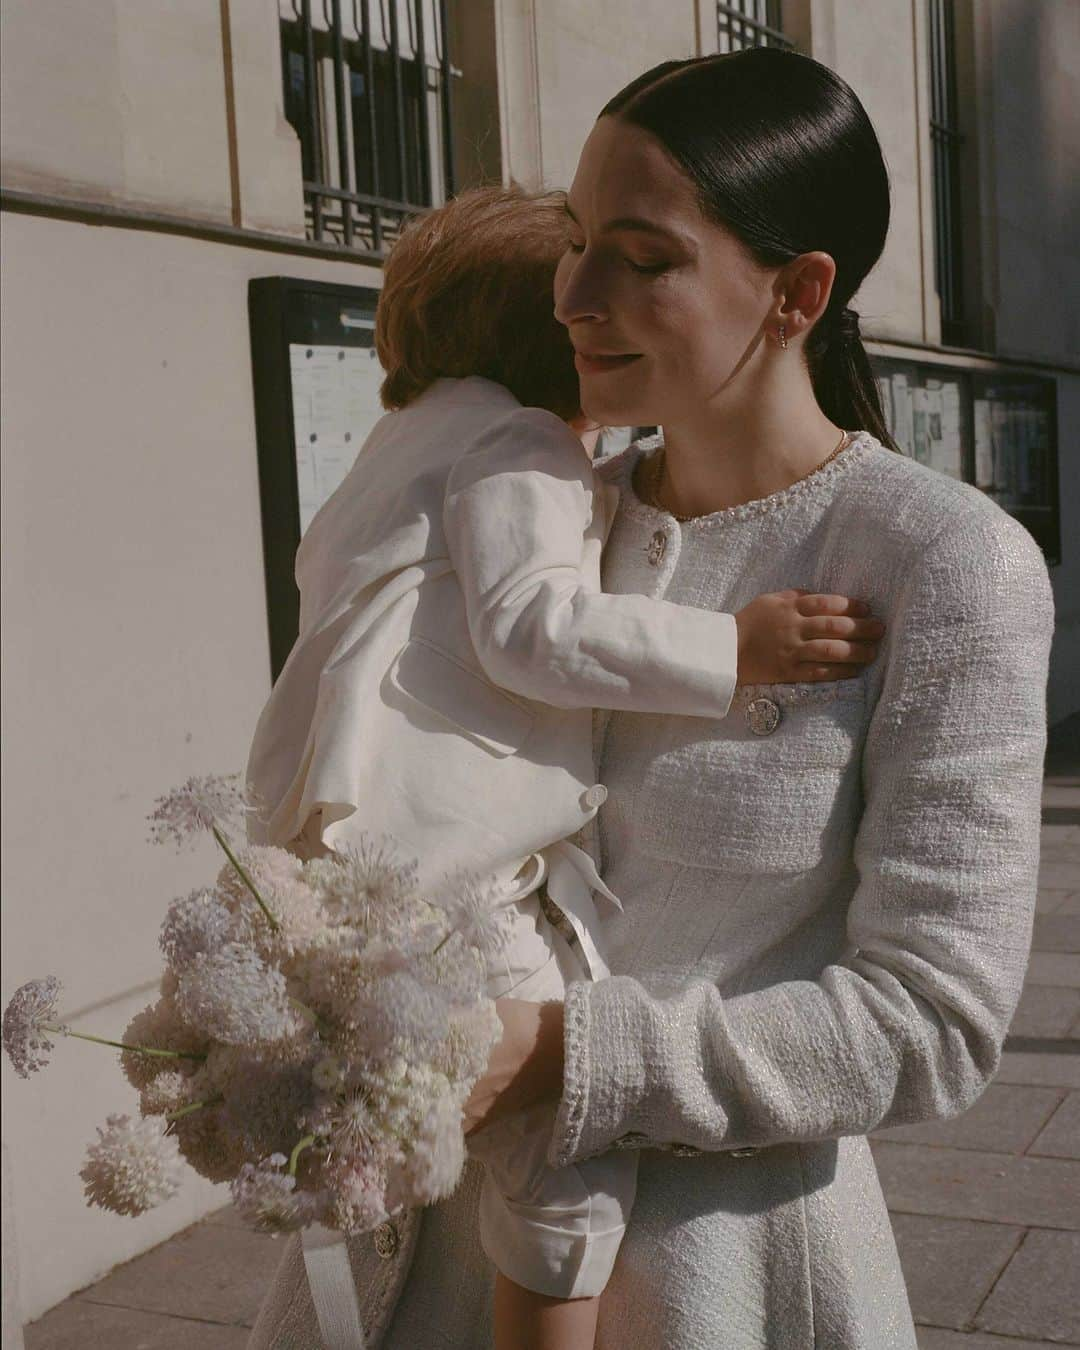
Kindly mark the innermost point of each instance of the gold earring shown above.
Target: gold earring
(783, 339)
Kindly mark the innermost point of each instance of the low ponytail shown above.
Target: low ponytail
(843, 380)
(782, 155)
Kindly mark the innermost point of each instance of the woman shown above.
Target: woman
(827, 902)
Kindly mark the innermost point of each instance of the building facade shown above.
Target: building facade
(157, 158)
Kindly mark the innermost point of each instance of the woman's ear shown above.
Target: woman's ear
(802, 289)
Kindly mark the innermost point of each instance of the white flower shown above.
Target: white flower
(132, 1167)
(267, 1197)
(193, 924)
(433, 1168)
(398, 1008)
(363, 884)
(327, 1074)
(167, 1092)
(31, 1010)
(197, 806)
(234, 997)
(349, 1122)
(473, 913)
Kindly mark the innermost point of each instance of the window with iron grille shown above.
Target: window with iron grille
(946, 147)
(369, 92)
(750, 23)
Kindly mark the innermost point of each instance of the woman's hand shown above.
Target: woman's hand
(788, 637)
(525, 1067)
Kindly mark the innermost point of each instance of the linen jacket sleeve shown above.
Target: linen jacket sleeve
(518, 507)
(909, 1025)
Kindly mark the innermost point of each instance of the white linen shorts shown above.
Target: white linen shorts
(555, 1231)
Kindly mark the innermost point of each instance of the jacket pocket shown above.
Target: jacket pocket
(772, 787)
(463, 697)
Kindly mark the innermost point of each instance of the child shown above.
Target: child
(453, 641)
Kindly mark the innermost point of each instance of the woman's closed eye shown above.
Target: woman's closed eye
(646, 269)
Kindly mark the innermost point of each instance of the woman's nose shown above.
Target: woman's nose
(578, 292)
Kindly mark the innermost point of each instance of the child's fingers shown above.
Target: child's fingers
(810, 604)
(835, 651)
(811, 674)
(841, 626)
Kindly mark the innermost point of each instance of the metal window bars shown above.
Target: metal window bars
(750, 23)
(369, 91)
(946, 141)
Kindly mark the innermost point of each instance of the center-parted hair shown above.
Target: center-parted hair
(467, 290)
(783, 155)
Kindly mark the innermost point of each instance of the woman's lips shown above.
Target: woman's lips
(596, 363)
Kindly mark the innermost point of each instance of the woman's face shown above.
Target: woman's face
(664, 308)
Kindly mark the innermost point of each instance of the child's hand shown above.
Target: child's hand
(788, 637)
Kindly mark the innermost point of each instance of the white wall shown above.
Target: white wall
(136, 654)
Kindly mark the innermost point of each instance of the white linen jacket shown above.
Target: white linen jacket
(454, 639)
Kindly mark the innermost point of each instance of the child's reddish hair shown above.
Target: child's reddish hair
(467, 290)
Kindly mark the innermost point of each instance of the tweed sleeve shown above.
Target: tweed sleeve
(909, 1024)
(518, 506)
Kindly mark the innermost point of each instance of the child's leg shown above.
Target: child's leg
(528, 1321)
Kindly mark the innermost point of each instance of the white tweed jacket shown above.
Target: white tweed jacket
(828, 898)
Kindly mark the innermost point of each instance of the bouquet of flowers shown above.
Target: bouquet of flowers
(319, 1028)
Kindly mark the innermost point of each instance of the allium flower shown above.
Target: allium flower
(235, 997)
(363, 884)
(194, 924)
(167, 1092)
(159, 1025)
(471, 1036)
(398, 1008)
(348, 1122)
(474, 913)
(32, 1009)
(327, 1074)
(132, 1167)
(268, 1198)
(197, 806)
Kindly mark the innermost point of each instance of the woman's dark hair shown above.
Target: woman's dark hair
(783, 155)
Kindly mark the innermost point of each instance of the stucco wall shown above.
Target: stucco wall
(136, 654)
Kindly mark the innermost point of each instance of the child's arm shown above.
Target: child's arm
(518, 505)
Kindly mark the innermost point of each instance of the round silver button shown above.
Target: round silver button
(657, 548)
(594, 797)
(386, 1240)
(763, 716)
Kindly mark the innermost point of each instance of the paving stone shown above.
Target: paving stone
(1060, 1136)
(1062, 969)
(211, 1271)
(1069, 904)
(227, 1217)
(962, 1184)
(1006, 1119)
(1057, 841)
(1039, 1294)
(932, 1338)
(950, 1265)
(1056, 933)
(1039, 1069)
(77, 1324)
(1044, 1010)
(1058, 874)
(1052, 902)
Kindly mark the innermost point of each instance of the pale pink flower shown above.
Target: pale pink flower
(434, 1164)
(363, 884)
(475, 914)
(194, 924)
(32, 1009)
(268, 1197)
(356, 1196)
(196, 807)
(132, 1167)
(233, 996)
(159, 1026)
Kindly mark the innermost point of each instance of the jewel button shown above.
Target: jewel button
(386, 1240)
(594, 797)
(763, 716)
(657, 548)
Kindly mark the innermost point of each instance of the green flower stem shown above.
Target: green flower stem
(245, 878)
(443, 943)
(194, 1106)
(294, 1156)
(121, 1045)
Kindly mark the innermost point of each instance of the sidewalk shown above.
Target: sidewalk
(986, 1207)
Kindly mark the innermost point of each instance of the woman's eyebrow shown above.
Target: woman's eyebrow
(638, 223)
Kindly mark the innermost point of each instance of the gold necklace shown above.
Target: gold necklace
(652, 486)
